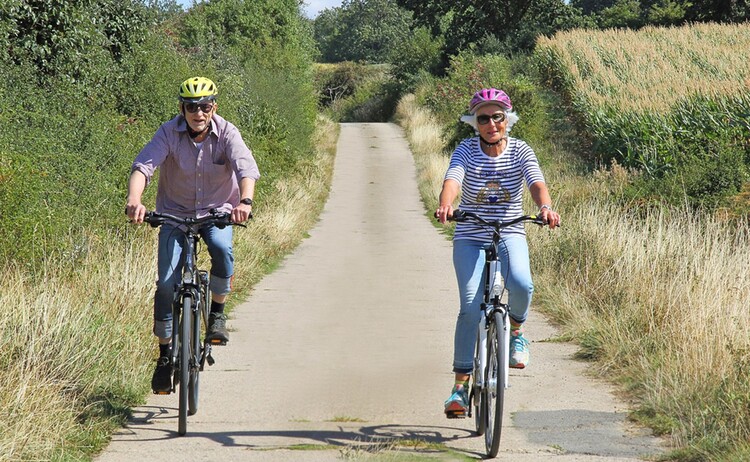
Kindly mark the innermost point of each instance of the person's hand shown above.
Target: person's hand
(135, 211)
(443, 213)
(551, 217)
(241, 213)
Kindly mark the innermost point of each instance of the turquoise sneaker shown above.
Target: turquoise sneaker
(457, 406)
(519, 350)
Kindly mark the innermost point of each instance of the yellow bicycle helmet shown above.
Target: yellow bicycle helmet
(197, 90)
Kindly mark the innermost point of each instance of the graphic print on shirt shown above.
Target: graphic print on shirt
(492, 193)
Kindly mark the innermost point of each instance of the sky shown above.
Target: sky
(311, 7)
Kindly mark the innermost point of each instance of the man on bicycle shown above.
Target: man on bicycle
(203, 165)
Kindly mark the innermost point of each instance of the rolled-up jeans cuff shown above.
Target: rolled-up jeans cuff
(163, 329)
(220, 286)
(463, 370)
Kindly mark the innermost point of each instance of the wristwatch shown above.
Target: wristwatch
(246, 201)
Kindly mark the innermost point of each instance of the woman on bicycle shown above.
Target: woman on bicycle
(204, 164)
(489, 170)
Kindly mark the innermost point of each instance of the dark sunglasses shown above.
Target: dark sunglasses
(204, 107)
(485, 119)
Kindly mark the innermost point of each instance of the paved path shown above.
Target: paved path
(350, 342)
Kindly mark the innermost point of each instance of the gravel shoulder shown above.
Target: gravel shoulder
(349, 343)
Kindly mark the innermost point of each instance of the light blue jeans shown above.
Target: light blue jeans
(170, 260)
(468, 261)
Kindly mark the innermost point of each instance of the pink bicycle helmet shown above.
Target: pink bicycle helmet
(487, 96)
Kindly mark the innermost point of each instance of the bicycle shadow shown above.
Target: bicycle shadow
(344, 435)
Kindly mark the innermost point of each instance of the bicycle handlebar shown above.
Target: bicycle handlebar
(220, 220)
(464, 215)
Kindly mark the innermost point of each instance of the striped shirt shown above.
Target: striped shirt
(492, 186)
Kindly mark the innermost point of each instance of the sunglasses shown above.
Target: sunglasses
(485, 119)
(204, 107)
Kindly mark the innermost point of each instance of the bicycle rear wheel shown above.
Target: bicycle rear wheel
(476, 387)
(185, 328)
(495, 382)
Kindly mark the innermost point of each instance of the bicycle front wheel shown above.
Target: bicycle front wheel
(476, 387)
(185, 328)
(495, 383)
(196, 351)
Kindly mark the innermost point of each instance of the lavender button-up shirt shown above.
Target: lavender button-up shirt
(194, 180)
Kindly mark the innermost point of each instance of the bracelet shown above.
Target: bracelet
(545, 206)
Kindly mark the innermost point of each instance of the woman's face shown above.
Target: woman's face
(492, 130)
(198, 120)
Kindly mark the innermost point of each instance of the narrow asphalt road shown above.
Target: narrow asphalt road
(349, 343)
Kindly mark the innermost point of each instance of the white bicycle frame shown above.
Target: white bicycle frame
(482, 353)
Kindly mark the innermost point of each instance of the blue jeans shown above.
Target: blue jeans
(468, 261)
(170, 260)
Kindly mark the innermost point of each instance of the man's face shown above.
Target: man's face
(198, 115)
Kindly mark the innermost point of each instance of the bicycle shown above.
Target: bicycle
(492, 352)
(190, 312)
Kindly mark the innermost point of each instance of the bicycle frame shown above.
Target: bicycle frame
(492, 355)
(190, 311)
(191, 284)
(492, 303)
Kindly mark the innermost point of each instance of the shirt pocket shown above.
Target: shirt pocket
(218, 169)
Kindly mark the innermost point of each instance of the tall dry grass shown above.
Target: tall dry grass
(427, 142)
(660, 301)
(651, 69)
(656, 298)
(77, 343)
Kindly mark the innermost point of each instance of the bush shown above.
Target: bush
(354, 92)
(449, 98)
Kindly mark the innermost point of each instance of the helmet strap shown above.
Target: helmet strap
(193, 134)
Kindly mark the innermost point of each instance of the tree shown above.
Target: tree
(513, 24)
(420, 53)
(589, 7)
(719, 10)
(624, 13)
(361, 30)
(668, 12)
(269, 33)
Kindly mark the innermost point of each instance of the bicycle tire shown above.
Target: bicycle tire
(476, 387)
(196, 352)
(495, 382)
(185, 327)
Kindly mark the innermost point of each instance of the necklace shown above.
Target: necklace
(490, 146)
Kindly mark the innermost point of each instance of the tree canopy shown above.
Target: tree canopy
(361, 30)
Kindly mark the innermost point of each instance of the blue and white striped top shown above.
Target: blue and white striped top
(492, 186)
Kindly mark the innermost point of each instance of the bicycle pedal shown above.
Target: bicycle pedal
(162, 392)
(217, 342)
(455, 414)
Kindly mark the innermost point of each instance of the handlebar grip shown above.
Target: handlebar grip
(458, 215)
